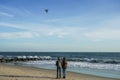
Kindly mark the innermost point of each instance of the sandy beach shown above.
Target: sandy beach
(10, 72)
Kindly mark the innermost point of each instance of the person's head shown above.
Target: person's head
(58, 58)
(64, 59)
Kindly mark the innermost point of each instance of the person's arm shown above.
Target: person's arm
(66, 63)
(56, 63)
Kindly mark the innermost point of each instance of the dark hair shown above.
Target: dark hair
(58, 58)
(64, 59)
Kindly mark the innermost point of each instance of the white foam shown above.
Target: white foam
(45, 57)
(35, 57)
(40, 62)
(1, 56)
(79, 64)
(95, 65)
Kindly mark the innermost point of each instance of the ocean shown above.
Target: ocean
(105, 64)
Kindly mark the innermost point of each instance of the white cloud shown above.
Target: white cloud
(17, 11)
(53, 20)
(103, 34)
(9, 25)
(41, 30)
(108, 30)
(8, 35)
(26, 11)
(6, 14)
(47, 30)
(59, 34)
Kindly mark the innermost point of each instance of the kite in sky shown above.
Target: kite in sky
(46, 10)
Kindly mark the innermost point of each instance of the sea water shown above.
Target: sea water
(105, 64)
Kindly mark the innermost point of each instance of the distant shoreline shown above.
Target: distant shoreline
(58, 52)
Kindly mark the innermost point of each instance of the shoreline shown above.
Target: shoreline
(15, 72)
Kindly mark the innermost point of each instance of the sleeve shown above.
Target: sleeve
(56, 63)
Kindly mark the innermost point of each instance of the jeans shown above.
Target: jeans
(64, 73)
(58, 72)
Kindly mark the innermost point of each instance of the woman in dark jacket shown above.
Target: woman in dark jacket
(64, 67)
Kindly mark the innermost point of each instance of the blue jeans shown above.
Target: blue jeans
(58, 72)
(64, 73)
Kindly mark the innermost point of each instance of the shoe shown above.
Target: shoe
(64, 77)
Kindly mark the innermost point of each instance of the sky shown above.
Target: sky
(69, 25)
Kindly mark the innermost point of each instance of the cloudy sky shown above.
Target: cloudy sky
(69, 25)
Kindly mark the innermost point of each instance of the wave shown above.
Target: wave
(95, 65)
(94, 60)
(25, 57)
(90, 60)
(72, 64)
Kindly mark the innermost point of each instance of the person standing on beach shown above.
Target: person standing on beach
(59, 67)
(64, 67)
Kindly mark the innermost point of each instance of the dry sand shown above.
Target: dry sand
(9, 72)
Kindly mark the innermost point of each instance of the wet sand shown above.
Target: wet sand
(10, 72)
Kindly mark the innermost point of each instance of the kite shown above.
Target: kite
(46, 10)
